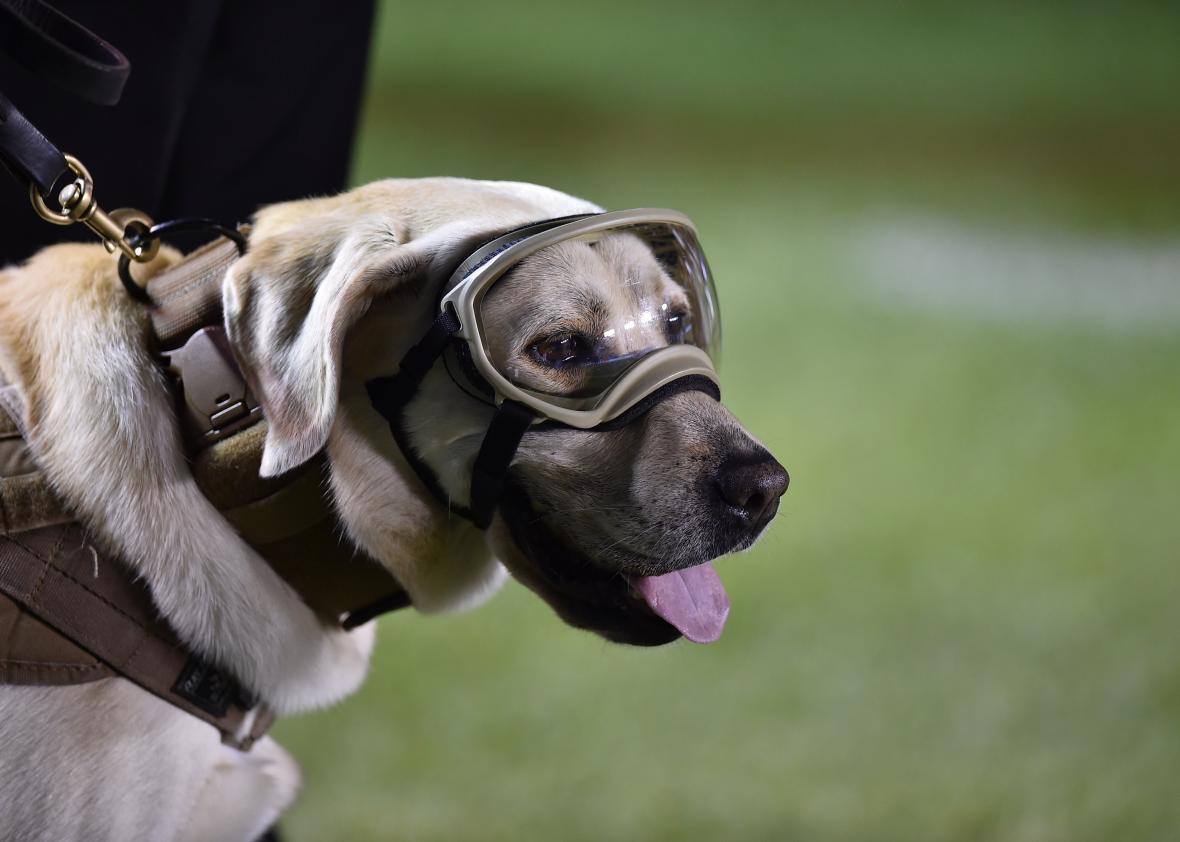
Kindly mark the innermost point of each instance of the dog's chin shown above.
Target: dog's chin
(583, 594)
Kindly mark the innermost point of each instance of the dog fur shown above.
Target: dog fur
(331, 293)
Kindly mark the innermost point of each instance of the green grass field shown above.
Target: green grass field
(947, 242)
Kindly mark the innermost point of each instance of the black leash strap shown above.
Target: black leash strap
(58, 48)
(54, 47)
(29, 155)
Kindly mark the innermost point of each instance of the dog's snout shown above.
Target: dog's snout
(752, 488)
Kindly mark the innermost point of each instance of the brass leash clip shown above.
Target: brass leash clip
(121, 230)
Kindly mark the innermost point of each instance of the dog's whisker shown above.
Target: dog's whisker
(639, 534)
(577, 510)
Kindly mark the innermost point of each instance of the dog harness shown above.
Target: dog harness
(71, 614)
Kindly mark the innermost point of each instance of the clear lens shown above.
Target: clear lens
(570, 319)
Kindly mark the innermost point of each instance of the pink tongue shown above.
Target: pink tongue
(692, 600)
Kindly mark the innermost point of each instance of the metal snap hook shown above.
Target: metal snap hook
(78, 204)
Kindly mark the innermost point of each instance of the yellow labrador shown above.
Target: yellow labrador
(330, 295)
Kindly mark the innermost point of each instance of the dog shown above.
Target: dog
(331, 294)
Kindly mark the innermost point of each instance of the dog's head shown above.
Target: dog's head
(614, 528)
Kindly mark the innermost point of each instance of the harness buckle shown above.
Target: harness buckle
(217, 401)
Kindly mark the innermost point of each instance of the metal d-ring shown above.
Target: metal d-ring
(142, 235)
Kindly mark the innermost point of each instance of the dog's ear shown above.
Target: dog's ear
(289, 304)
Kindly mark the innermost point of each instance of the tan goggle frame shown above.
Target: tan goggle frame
(655, 370)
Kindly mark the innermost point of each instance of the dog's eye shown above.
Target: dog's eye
(561, 350)
(678, 327)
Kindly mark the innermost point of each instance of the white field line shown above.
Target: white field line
(1120, 284)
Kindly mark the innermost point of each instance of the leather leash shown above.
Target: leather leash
(60, 49)
(61, 189)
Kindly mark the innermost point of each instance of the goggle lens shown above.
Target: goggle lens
(569, 320)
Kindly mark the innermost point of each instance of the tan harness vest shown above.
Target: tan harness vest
(69, 614)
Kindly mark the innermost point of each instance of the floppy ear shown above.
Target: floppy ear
(289, 304)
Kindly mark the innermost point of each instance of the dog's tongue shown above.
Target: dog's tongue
(692, 600)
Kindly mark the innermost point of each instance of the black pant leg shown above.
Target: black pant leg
(274, 113)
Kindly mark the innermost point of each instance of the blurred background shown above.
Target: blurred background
(947, 243)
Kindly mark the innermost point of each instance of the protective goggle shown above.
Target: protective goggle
(583, 321)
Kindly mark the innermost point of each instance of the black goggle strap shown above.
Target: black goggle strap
(495, 455)
(687, 383)
(390, 395)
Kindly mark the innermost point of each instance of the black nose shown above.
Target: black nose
(751, 488)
